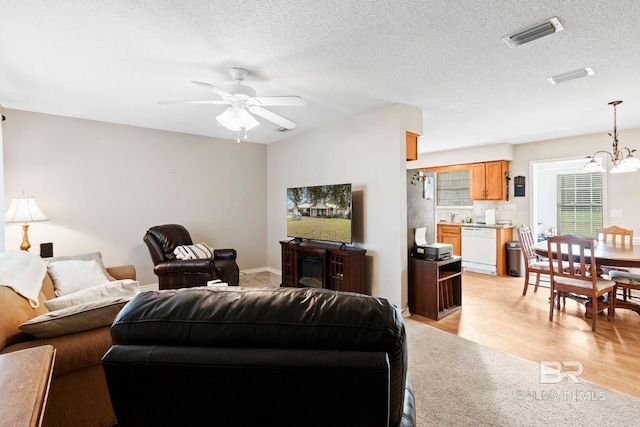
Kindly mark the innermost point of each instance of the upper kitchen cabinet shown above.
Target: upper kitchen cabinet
(488, 180)
(412, 146)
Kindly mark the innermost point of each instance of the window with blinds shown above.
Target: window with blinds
(580, 204)
(453, 189)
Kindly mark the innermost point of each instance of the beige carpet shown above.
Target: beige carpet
(460, 383)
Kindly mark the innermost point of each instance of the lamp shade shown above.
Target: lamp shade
(229, 120)
(594, 166)
(631, 161)
(24, 209)
(237, 118)
(622, 169)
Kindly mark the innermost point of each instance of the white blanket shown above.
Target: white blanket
(23, 272)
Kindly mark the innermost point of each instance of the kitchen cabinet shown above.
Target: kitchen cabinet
(503, 235)
(488, 181)
(449, 233)
(412, 146)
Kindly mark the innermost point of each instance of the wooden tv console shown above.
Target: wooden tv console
(313, 264)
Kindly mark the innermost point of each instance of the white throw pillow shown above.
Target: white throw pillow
(97, 256)
(197, 251)
(77, 318)
(119, 288)
(74, 275)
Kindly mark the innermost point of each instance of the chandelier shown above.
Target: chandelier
(622, 159)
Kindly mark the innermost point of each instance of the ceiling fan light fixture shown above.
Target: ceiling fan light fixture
(246, 120)
(228, 120)
(551, 26)
(582, 72)
(236, 119)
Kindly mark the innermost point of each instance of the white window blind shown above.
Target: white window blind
(580, 204)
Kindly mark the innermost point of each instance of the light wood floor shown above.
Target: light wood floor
(496, 314)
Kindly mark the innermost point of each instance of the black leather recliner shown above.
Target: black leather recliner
(259, 357)
(174, 273)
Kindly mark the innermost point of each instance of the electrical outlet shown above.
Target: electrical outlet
(616, 213)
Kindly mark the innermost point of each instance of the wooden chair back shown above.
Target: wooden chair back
(572, 248)
(615, 235)
(526, 242)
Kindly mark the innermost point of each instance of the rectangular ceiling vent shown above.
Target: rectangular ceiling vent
(551, 26)
(582, 72)
(282, 130)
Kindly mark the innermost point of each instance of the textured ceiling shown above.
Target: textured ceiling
(114, 60)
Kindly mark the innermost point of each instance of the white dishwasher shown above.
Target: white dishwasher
(479, 250)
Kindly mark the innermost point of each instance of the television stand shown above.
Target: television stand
(321, 265)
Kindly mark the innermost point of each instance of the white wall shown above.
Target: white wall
(103, 185)
(368, 151)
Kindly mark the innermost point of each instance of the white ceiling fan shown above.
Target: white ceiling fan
(243, 103)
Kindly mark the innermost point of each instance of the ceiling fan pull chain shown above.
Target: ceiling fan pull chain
(245, 134)
(238, 138)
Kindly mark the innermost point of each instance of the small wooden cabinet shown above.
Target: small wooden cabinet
(503, 235)
(435, 287)
(323, 266)
(450, 234)
(488, 180)
(412, 146)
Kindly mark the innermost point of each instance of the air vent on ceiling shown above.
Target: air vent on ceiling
(282, 130)
(551, 26)
(582, 72)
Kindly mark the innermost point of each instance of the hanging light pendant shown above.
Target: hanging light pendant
(622, 159)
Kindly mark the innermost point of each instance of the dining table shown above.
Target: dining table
(606, 255)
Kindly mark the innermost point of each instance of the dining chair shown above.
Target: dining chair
(532, 262)
(626, 281)
(579, 277)
(616, 236)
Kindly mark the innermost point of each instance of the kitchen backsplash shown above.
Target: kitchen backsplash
(505, 211)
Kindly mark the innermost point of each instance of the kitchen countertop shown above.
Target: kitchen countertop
(473, 224)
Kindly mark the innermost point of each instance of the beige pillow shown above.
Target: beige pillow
(118, 288)
(74, 275)
(77, 318)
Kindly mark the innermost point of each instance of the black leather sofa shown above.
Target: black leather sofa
(259, 357)
(173, 273)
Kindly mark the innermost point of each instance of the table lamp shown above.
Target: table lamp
(24, 209)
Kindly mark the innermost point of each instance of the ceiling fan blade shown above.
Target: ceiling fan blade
(212, 88)
(293, 101)
(193, 102)
(272, 117)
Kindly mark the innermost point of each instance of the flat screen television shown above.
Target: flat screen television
(321, 212)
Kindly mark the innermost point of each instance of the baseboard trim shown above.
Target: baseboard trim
(261, 270)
